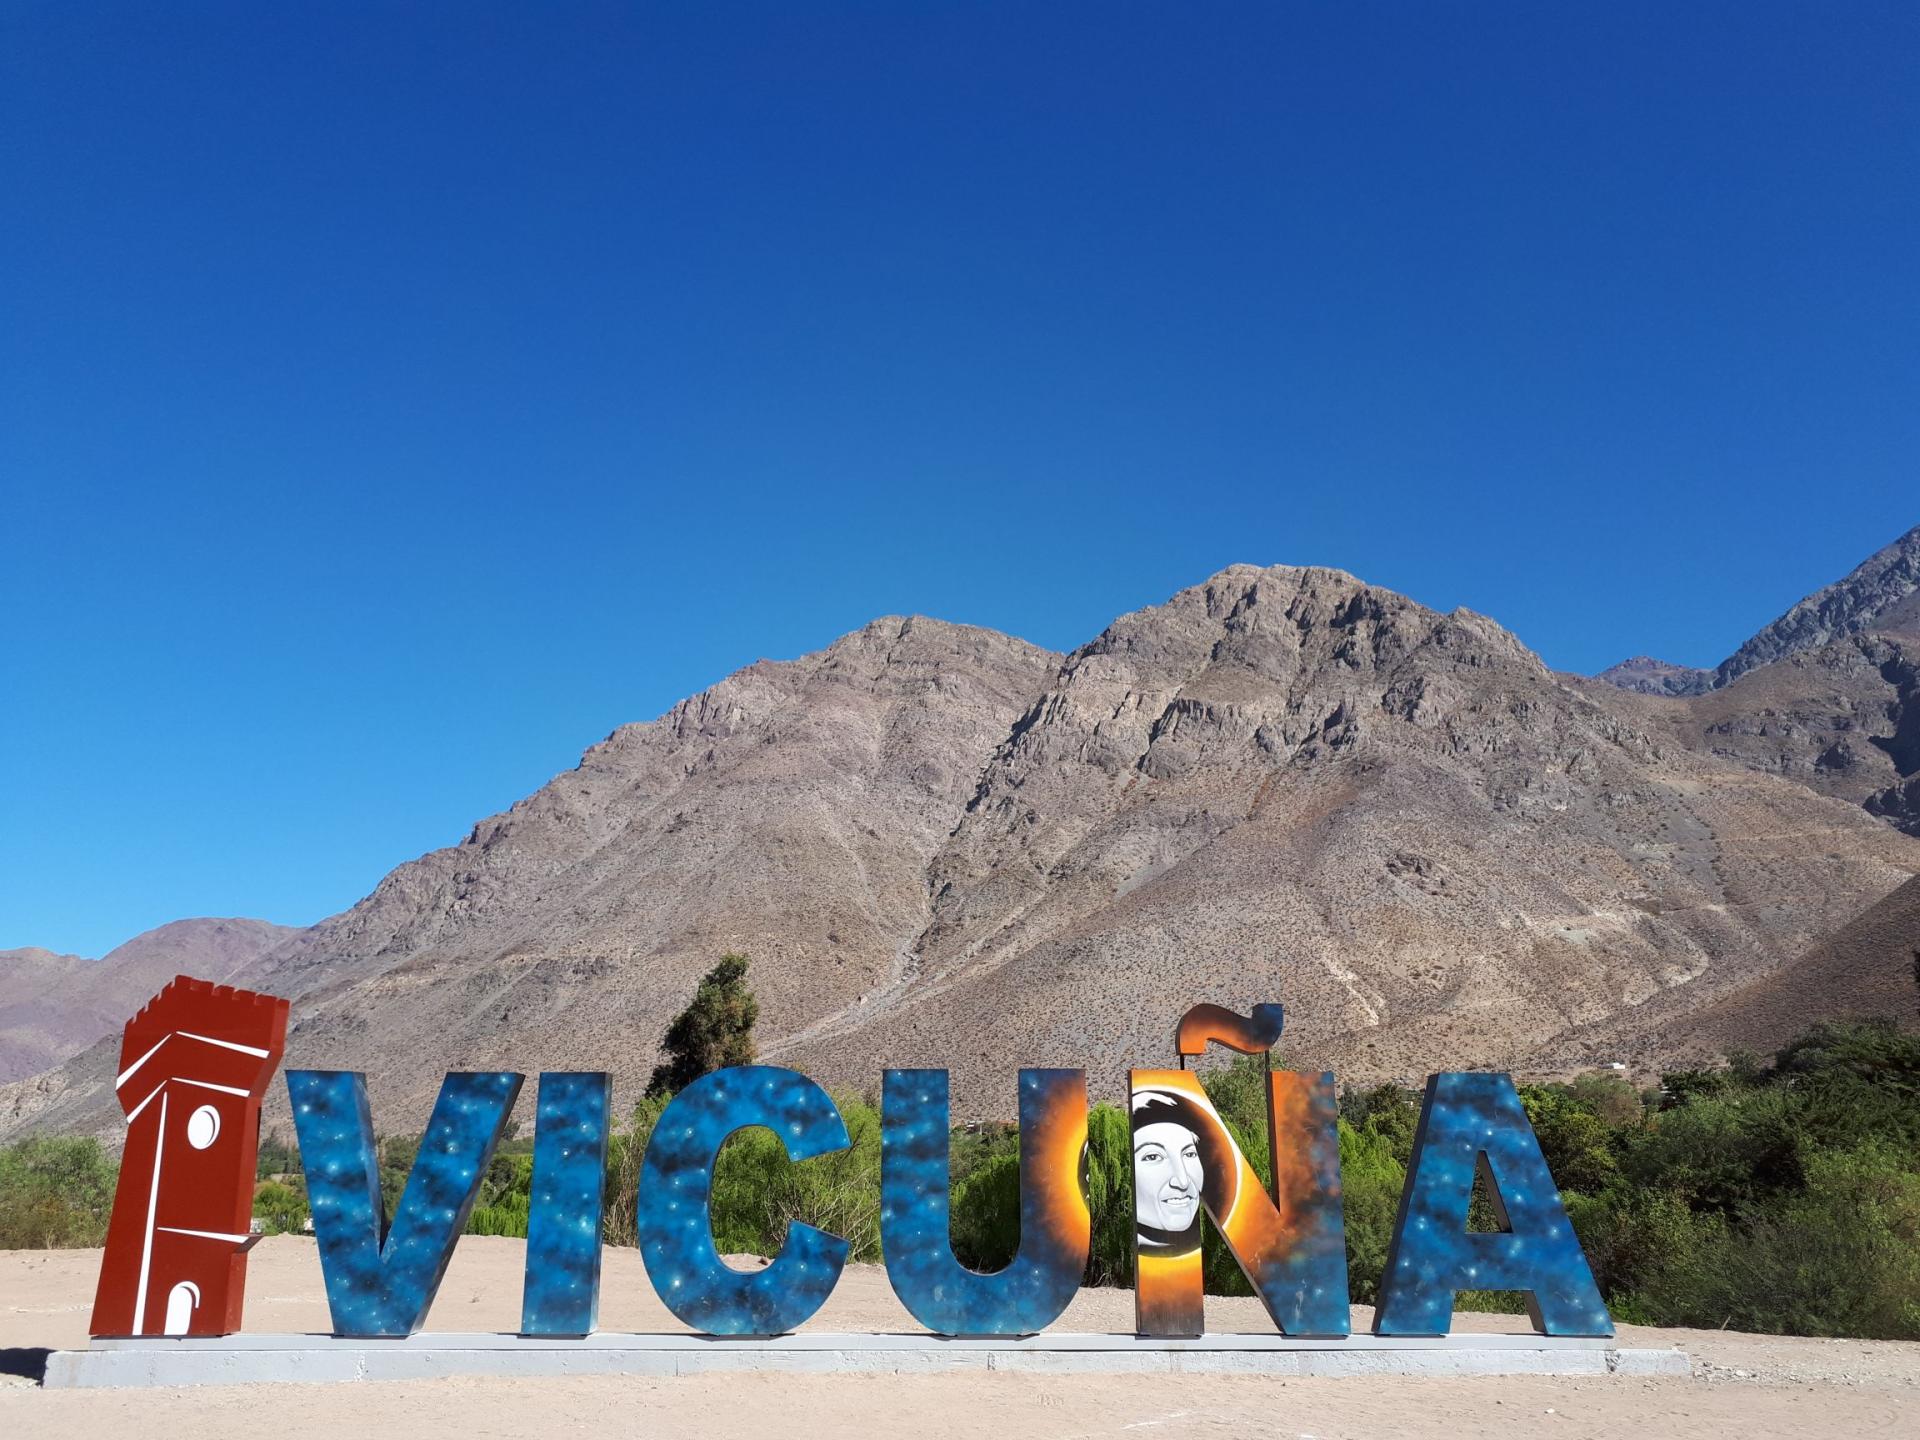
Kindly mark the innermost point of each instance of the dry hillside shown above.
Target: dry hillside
(944, 846)
(53, 1006)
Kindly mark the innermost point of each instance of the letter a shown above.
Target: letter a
(1475, 1123)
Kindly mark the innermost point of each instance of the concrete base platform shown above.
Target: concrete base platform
(245, 1359)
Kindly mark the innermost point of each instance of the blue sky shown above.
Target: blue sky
(393, 402)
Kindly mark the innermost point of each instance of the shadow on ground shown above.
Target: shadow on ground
(29, 1363)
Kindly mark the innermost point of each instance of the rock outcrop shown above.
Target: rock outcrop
(1882, 593)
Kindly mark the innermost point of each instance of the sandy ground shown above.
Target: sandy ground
(1743, 1385)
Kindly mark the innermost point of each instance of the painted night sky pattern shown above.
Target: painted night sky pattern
(676, 1180)
(373, 1288)
(1039, 1282)
(562, 1294)
(381, 1281)
(1469, 1120)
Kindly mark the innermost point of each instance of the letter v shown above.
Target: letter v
(376, 1288)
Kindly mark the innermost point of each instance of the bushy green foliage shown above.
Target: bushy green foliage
(395, 1155)
(1109, 1172)
(506, 1195)
(1239, 1092)
(1875, 1051)
(1782, 1199)
(984, 1180)
(757, 1191)
(1386, 1111)
(1841, 1257)
(55, 1193)
(714, 1031)
(1372, 1176)
(279, 1155)
(626, 1147)
(1577, 1141)
(280, 1208)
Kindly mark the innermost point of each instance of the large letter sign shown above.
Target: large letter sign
(562, 1293)
(940, 1292)
(195, 1064)
(1476, 1124)
(194, 1067)
(1291, 1244)
(386, 1289)
(676, 1180)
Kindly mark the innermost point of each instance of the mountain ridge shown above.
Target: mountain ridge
(69, 1002)
(1881, 593)
(942, 845)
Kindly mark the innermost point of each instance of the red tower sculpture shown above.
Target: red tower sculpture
(194, 1068)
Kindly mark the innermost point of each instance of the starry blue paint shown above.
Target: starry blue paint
(385, 1289)
(676, 1182)
(941, 1293)
(1475, 1124)
(1303, 1283)
(562, 1292)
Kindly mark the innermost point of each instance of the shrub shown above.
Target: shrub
(1371, 1180)
(625, 1150)
(506, 1216)
(1109, 1172)
(1841, 1257)
(55, 1193)
(757, 1191)
(986, 1214)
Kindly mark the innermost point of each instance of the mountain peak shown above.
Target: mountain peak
(943, 845)
(1881, 593)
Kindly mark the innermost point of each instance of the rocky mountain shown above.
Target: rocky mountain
(1882, 593)
(944, 846)
(790, 812)
(1648, 676)
(27, 1047)
(1828, 694)
(53, 1006)
(1870, 966)
(1842, 719)
(1288, 783)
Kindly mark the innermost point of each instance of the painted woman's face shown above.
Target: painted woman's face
(1167, 1175)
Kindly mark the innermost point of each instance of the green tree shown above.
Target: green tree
(1387, 1111)
(1109, 1172)
(1877, 1052)
(757, 1191)
(1371, 1180)
(1576, 1143)
(396, 1154)
(714, 1031)
(279, 1207)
